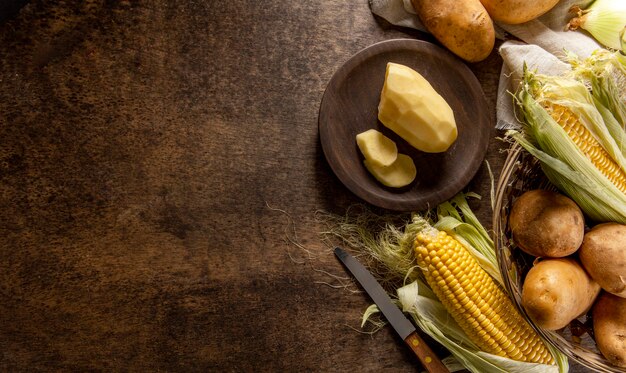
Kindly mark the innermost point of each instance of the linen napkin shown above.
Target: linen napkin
(541, 45)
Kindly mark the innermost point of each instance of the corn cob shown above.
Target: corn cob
(585, 141)
(475, 301)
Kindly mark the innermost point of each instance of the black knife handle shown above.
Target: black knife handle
(427, 357)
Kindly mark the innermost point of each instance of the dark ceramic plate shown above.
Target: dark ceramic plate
(350, 106)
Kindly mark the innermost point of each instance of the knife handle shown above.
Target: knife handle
(427, 357)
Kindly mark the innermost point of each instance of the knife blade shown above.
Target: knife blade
(401, 324)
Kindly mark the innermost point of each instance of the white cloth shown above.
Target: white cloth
(543, 41)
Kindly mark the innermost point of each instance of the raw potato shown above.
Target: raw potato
(603, 254)
(377, 148)
(517, 11)
(411, 108)
(556, 291)
(609, 328)
(400, 173)
(545, 223)
(464, 27)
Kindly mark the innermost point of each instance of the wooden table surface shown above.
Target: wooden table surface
(158, 160)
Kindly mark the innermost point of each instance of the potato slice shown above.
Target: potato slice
(400, 173)
(378, 149)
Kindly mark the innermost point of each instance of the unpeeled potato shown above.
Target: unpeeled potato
(545, 223)
(609, 328)
(556, 291)
(517, 11)
(603, 254)
(464, 27)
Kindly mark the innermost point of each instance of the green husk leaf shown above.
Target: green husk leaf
(612, 125)
(369, 312)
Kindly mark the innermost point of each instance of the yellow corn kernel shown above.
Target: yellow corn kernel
(475, 301)
(585, 141)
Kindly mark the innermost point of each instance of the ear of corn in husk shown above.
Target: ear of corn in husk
(565, 130)
(476, 302)
(465, 310)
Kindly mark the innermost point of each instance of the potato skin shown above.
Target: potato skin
(517, 11)
(464, 27)
(556, 291)
(609, 327)
(603, 254)
(547, 224)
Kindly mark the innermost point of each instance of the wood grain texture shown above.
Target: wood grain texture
(145, 149)
(427, 357)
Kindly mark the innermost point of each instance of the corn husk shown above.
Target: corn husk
(604, 73)
(603, 19)
(394, 251)
(561, 160)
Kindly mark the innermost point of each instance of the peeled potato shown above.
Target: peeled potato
(377, 148)
(400, 173)
(410, 107)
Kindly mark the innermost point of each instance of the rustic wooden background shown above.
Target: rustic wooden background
(156, 159)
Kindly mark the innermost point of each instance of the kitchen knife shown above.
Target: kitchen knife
(396, 318)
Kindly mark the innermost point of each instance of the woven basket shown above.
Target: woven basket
(521, 172)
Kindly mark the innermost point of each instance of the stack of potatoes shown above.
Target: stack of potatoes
(576, 270)
(466, 27)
